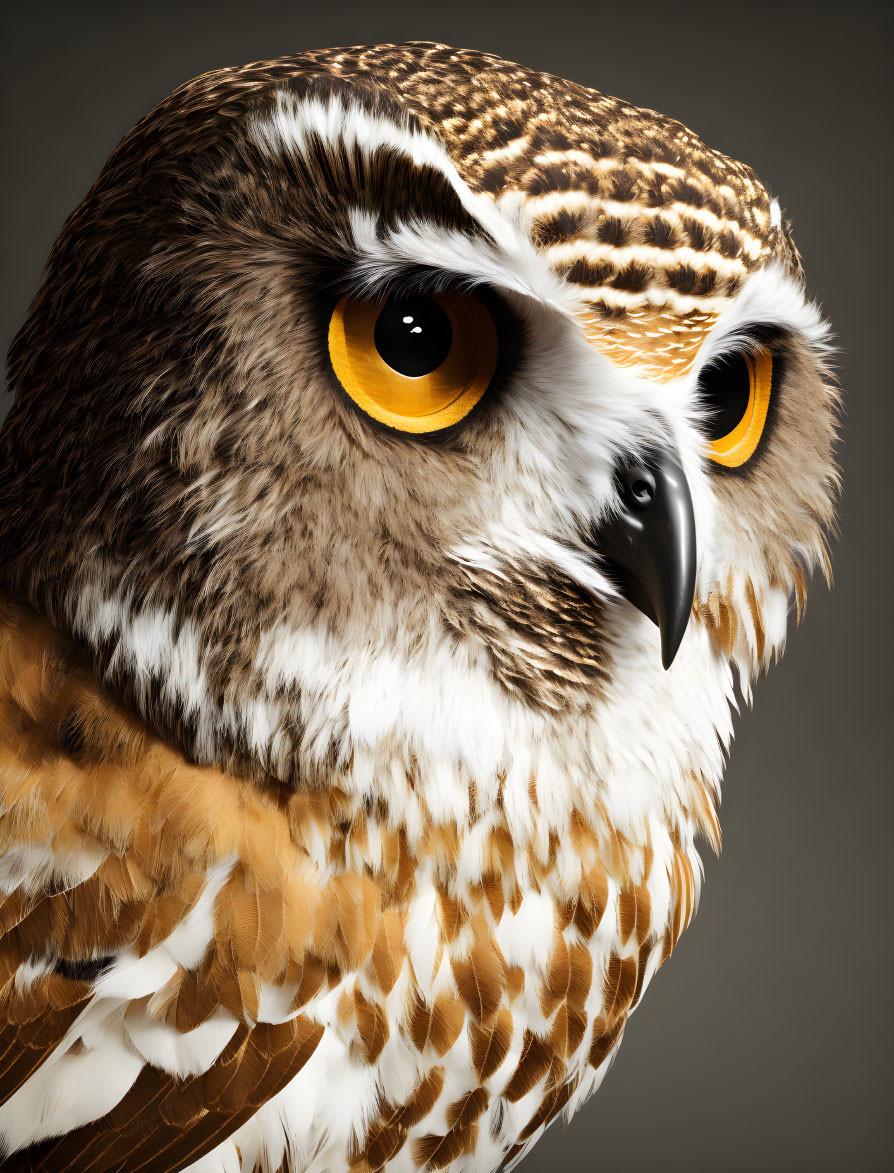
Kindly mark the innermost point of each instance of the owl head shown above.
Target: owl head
(404, 416)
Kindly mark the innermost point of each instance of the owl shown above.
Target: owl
(414, 460)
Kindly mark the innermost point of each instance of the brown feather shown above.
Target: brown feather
(437, 1152)
(33, 1022)
(148, 1130)
(604, 1038)
(388, 951)
(489, 1043)
(558, 1093)
(480, 977)
(372, 1026)
(534, 1062)
(466, 1110)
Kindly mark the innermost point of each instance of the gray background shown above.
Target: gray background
(766, 1043)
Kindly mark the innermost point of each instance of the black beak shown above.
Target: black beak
(650, 544)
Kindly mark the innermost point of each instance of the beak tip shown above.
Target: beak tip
(668, 654)
(671, 638)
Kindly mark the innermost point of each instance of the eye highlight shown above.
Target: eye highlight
(414, 363)
(736, 390)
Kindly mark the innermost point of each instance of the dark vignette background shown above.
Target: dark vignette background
(766, 1044)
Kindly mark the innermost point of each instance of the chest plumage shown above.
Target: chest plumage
(474, 984)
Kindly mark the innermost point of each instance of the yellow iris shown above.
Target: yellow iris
(462, 359)
(739, 444)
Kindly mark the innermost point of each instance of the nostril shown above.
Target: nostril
(642, 492)
(636, 485)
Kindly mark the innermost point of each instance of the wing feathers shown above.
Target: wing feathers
(32, 1024)
(165, 1123)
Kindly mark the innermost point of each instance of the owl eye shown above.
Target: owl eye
(735, 390)
(414, 363)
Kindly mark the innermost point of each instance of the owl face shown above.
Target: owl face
(377, 405)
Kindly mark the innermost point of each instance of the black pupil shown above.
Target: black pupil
(725, 387)
(413, 335)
